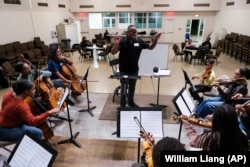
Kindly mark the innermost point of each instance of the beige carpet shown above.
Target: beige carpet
(95, 152)
(110, 107)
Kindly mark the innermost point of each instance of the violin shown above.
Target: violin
(196, 121)
(36, 108)
(206, 74)
(78, 84)
(230, 81)
(148, 144)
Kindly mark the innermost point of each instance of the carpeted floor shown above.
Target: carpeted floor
(110, 107)
(95, 152)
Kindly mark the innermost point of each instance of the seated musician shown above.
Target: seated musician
(225, 134)
(207, 78)
(188, 44)
(54, 66)
(237, 85)
(243, 110)
(151, 156)
(16, 117)
(26, 73)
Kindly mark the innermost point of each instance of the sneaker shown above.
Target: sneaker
(132, 104)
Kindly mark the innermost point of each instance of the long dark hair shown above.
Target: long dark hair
(166, 144)
(53, 49)
(225, 134)
(20, 86)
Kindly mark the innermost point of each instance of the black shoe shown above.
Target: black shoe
(71, 103)
(133, 104)
(75, 94)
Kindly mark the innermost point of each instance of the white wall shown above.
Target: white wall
(24, 22)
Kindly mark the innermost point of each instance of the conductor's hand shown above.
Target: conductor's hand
(54, 111)
(157, 36)
(117, 39)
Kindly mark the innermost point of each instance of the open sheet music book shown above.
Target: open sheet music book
(150, 118)
(31, 151)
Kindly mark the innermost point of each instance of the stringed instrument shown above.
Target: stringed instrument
(196, 121)
(148, 144)
(46, 89)
(37, 109)
(78, 84)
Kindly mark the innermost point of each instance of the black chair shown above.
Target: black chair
(177, 52)
(215, 56)
(114, 64)
(199, 56)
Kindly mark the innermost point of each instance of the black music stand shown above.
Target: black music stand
(89, 109)
(158, 88)
(187, 79)
(72, 138)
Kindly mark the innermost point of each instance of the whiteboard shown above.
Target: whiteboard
(158, 57)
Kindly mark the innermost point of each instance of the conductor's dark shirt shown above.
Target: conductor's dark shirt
(130, 53)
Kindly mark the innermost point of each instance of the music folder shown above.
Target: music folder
(31, 151)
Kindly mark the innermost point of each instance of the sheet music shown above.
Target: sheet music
(62, 99)
(128, 127)
(188, 100)
(162, 73)
(182, 106)
(30, 154)
(152, 122)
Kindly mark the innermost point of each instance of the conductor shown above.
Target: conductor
(130, 48)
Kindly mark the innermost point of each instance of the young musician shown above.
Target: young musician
(16, 117)
(207, 78)
(225, 134)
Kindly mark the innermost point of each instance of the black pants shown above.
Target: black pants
(198, 88)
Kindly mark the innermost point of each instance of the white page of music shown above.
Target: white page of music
(30, 154)
(128, 126)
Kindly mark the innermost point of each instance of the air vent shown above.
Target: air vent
(123, 6)
(161, 5)
(42, 4)
(61, 6)
(230, 4)
(14, 2)
(201, 4)
(248, 1)
(86, 6)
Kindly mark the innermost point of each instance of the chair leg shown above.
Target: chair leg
(116, 92)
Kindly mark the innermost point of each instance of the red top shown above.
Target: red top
(16, 112)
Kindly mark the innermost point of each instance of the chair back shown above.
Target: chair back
(176, 48)
(218, 52)
(114, 63)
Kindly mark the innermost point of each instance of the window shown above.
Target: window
(140, 20)
(155, 20)
(108, 20)
(124, 20)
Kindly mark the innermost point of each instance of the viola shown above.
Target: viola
(78, 84)
(196, 121)
(148, 144)
(36, 108)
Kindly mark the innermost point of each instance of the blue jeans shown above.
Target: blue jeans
(130, 83)
(208, 105)
(14, 134)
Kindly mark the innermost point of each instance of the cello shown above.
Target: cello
(37, 109)
(78, 84)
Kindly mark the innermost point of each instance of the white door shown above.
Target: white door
(85, 28)
(168, 31)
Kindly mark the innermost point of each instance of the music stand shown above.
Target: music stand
(89, 109)
(72, 138)
(159, 74)
(187, 79)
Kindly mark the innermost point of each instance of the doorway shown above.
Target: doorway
(195, 28)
